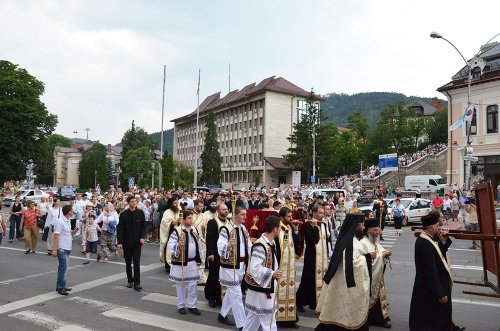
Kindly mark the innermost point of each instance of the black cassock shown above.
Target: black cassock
(212, 286)
(432, 282)
(306, 294)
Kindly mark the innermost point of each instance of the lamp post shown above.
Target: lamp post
(476, 61)
(231, 175)
(152, 175)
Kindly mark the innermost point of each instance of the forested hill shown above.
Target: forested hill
(338, 107)
(168, 139)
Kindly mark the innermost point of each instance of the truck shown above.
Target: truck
(426, 183)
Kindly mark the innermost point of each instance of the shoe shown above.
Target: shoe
(130, 285)
(472, 247)
(49, 253)
(86, 262)
(98, 258)
(138, 288)
(67, 289)
(301, 309)
(33, 252)
(63, 292)
(27, 251)
(225, 320)
(11, 241)
(194, 311)
(83, 252)
(182, 311)
(211, 303)
(386, 325)
(381, 238)
(458, 328)
(294, 326)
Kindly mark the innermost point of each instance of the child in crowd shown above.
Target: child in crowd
(89, 210)
(185, 249)
(90, 235)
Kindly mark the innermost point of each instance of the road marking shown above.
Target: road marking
(475, 302)
(103, 305)
(307, 322)
(47, 321)
(162, 322)
(13, 280)
(78, 288)
(453, 266)
(72, 257)
(465, 249)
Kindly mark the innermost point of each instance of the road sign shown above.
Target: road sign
(131, 182)
(470, 158)
(296, 178)
(388, 162)
(313, 179)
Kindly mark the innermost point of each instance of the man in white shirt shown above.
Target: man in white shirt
(186, 199)
(63, 242)
(89, 194)
(348, 202)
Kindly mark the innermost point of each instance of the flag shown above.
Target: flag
(467, 116)
(198, 89)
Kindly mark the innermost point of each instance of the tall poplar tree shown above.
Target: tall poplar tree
(210, 158)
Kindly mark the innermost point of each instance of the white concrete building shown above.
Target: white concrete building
(485, 94)
(252, 125)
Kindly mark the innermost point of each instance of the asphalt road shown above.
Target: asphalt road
(100, 300)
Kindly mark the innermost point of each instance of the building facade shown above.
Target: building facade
(67, 162)
(252, 126)
(485, 95)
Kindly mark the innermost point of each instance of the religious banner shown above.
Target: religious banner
(300, 215)
(255, 222)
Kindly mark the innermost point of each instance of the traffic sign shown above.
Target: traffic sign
(388, 162)
(131, 182)
(313, 179)
(470, 158)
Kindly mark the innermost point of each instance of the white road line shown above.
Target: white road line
(78, 288)
(155, 320)
(46, 321)
(475, 302)
(13, 280)
(465, 250)
(307, 322)
(453, 266)
(103, 305)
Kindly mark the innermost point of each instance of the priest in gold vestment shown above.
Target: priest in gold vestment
(345, 296)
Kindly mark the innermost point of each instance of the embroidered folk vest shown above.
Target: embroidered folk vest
(183, 246)
(234, 253)
(267, 263)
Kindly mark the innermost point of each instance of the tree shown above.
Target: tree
(210, 158)
(24, 120)
(93, 166)
(44, 160)
(137, 163)
(308, 128)
(168, 171)
(135, 138)
(183, 176)
(358, 123)
(110, 173)
(437, 129)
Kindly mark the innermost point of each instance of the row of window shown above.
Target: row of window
(491, 120)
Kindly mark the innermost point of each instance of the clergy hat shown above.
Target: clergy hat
(212, 200)
(171, 200)
(430, 219)
(372, 223)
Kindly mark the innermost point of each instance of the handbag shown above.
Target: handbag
(40, 222)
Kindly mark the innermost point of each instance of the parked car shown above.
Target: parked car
(33, 195)
(65, 193)
(414, 208)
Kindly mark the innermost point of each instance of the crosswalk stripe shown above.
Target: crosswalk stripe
(159, 321)
(46, 321)
(307, 322)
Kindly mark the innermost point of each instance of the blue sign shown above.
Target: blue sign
(131, 180)
(313, 179)
(388, 162)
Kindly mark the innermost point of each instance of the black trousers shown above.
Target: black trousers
(133, 254)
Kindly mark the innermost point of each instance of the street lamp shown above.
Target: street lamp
(152, 175)
(476, 61)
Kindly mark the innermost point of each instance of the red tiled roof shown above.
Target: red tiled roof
(276, 162)
(272, 83)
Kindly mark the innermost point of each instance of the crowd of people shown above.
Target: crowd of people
(434, 149)
(203, 240)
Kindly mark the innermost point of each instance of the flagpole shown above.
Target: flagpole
(160, 172)
(229, 77)
(195, 180)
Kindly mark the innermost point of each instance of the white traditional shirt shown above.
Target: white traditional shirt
(227, 276)
(190, 272)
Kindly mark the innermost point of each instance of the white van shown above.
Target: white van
(426, 183)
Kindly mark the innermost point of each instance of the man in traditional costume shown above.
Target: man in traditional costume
(200, 223)
(169, 220)
(287, 251)
(212, 288)
(430, 307)
(378, 314)
(185, 249)
(211, 211)
(315, 260)
(345, 296)
(233, 246)
(260, 279)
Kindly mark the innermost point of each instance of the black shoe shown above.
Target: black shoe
(182, 311)
(211, 303)
(458, 328)
(381, 238)
(294, 326)
(194, 311)
(86, 262)
(27, 251)
(130, 284)
(63, 292)
(67, 289)
(225, 320)
(301, 309)
(387, 325)
(49, 253)
(98, 258)
(138, 288)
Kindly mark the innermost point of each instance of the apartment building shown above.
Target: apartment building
(252, 126)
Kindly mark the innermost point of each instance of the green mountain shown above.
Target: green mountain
(168, 140)
(338, 107)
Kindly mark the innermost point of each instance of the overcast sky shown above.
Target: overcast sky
(102, 61)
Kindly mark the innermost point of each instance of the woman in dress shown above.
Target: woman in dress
(398, 214)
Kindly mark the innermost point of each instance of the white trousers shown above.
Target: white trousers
(234, 300)
(50, 239)
(253, 321)
(192, 296)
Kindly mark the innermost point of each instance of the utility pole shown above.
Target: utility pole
(152, 175)
(160, 174)
(87, 129)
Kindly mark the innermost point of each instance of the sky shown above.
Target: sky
(102, 60)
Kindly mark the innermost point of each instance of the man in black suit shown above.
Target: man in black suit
(131, 231)
(253, 204)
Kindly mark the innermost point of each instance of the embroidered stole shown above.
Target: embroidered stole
(321, 258)
(175, 217)
(286, 285)
(377, 283)
(200, 225)
(425, 236)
